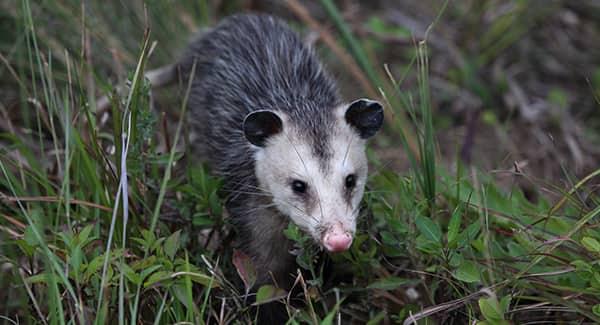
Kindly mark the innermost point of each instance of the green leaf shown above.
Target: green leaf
(149, 271)
(202, 220)
(67, 237)
(427, 246)
(145, 263)
(203, 279)
(595, 280)
(468, 272)
(430, 229)
(388, 238)
(93, 267)
(158, 243)
(582, 268)
(268, 293)
(148, 238)
(215, 203)
(493, 322)
(456, 260)
(328, 320)
(27, 249)
(172, 244)
(84, 234)
(180, 293)
(582, 265)
(166, 276)
(596, 309)
(490, 308)
(515, 250)
(389, 283)
(30, 236)
(156, 277)
(505, 303)
(38, 278)
(130, 274)
(454, 226)
(591, 244)
(75, 259)
(377, 25)
(292, 232)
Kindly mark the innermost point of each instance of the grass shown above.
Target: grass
(102, 222)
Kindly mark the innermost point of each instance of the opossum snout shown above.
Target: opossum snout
(337, 239)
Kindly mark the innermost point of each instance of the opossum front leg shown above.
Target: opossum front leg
(271, 250)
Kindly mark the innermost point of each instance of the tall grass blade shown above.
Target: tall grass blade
(122, 189)
(427, 143)
(353, 44)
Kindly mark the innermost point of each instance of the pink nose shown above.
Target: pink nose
(336, 239)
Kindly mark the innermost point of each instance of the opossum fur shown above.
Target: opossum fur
(269, 119)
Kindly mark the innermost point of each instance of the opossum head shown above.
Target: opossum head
(316, 177)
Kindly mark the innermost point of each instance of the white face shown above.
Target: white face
(321, 196)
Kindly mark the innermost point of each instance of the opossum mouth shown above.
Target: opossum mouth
(336, 239)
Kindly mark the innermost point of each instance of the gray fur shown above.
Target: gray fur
(249, 63)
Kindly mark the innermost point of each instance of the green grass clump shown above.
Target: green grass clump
(104, 219)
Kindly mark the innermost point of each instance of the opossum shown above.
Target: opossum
(271, 122)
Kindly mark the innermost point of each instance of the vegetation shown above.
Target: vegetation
(105, 219)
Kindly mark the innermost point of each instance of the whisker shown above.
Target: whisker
(347, 152)
(378, 191)
(356, 211)
(300, 210)
(381, 168)
(320, 206)
(306, 169)
(261, 207)
(262, 194)
(297, 153)
(245, 184)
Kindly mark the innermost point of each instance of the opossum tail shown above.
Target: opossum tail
(163, 76)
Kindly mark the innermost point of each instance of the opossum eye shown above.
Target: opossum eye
(350, 181)
(299, 187)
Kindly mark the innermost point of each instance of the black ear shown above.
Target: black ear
(260, 125)
(366, 116)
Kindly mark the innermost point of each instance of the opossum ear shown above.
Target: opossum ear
(366, 116)
(260, 125)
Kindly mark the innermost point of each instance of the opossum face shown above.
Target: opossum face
(317, 183)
